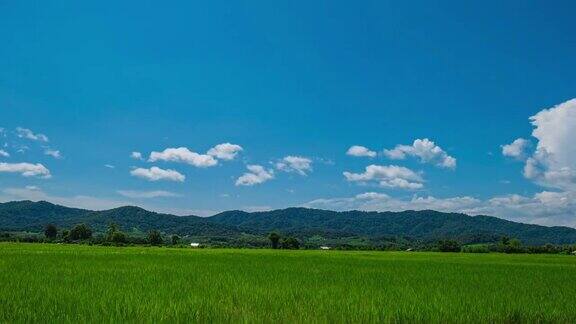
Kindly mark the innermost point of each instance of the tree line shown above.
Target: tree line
(113, 235)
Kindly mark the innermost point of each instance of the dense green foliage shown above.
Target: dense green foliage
(51, 231)
(274, 238)
(155, 238)
(424, 225)
(386, 230)
(449, 246)
(74, 283)
(33, 217)
(80, 232)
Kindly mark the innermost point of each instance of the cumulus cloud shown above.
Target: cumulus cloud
(390, 176)
(184, 155)
(26, 169)
(156, 174)
(225, 151)
(4, 153)
(544, 208)
(426, 150)
(146, 194)
(53, 153)
(136, 155)
(29, 134)
(257, 174)
(297, 164)
(517, 149)
(553, 164)
(360, 151)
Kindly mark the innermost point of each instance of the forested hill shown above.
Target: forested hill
(33, 216)
(300, 222)
(427, 225)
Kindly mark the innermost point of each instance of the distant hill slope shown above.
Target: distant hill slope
(426, 225)
(33, 216)
(301, 222)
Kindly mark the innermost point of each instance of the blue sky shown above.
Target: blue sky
(291, 79)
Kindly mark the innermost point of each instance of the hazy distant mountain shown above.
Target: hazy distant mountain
(301, 222)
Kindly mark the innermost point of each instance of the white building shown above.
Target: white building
(324, 248)
(195, 245)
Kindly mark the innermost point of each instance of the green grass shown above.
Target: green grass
(71, 283)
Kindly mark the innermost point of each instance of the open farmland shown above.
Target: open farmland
(74, 283)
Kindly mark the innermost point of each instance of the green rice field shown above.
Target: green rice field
(74, 283)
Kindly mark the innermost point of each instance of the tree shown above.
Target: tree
(515, 246)
(115, 235)
(449, 246)
(51, 231)
(175, 239)
(154, 237)
(80, 232)
(112, 228)
(119, 237)
(66, 235)
(274, 238)
(290, 243)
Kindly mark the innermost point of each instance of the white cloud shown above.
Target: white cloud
(426, 150)
(373, 201)
(53, 153)
(29, 134)
(255, 209)
(553, 164)
(391, 176)
(257, 174)
(544, 208)
(360, 151)
(156, 174)
(146, 194)
(297, 164)
(372, 195)
(4, 153)
(136, 155)
(516, 149)
(184, 155)
(109, 166)
(225, 151)
(26, 169)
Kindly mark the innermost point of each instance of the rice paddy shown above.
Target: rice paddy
(74, 283)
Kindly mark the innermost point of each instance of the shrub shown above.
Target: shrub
(119, 237)
(477, 248)
(290, 243)
(448, 246)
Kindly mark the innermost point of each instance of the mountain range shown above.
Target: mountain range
(426, 225)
